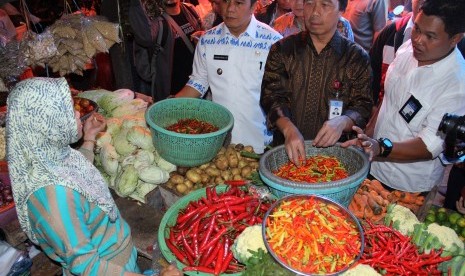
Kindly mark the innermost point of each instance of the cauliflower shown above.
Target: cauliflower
(361, 269)
(250, 239)
(446, 236)
(402, 218)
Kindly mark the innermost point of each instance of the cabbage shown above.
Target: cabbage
(140, 137)
(128, 160)
(130, 121)
(153, 174)
(143, 158)
(109, 159)
(94, 95)
(165, 165)
(126, 182)
(121, 143)
(128, 108)
(102, 138)
(109, 102)
(114, 125)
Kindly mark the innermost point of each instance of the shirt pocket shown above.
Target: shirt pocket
(418, 122)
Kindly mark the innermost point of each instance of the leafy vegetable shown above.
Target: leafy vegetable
(262, 264)
(140, 136)
(127, 180)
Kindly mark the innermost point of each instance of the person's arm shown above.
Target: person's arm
(58, 215)
(92, 126)
(145, 31)
(275, 102)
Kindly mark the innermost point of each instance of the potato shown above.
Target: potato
(170, 184)
(188, 184)
(248, 148)
(197, 170)
(239, 147)
(177, 179)
(237, 177)
(182, 170)
(213, 171)
(242, 163)
(204, 166)
(181, 188)
(246, 171)
(193, 176)
(235, 171)
(221, 162)
(226, 175)
(233, 161)
(254, 164)
(219, 180)
(205, 178)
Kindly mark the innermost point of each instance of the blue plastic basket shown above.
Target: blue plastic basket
(188, 150)
(342, 191)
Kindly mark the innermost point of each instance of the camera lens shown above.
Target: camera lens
(449, 121)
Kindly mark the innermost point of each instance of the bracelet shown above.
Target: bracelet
(93, 141)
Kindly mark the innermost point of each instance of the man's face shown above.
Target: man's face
(430, 41)
(321, 16)
(237, 14)
(285, 4)
(216, 8)
(298, 8)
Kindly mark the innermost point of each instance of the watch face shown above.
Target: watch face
(387, 143)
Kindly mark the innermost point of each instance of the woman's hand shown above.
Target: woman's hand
(460, 204)
(170, 270)
(369, 145)
(93, 125)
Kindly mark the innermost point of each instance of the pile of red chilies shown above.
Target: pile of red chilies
(206, 229)
(386, 249)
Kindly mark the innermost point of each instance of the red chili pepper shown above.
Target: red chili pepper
(209, 231)
(226, 261)
(236, 182)
(214, 253)
(186, 216)
(214, 239)
(178, 254)
(219, 260)
(189, 250)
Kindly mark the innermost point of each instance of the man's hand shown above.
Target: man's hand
(294, 141)
(369, 145)
(331, 131)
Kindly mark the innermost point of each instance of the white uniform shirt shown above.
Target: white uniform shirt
(440, 89)
(233, 69)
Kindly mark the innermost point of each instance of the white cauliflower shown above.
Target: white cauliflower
(361, 269)
(402, 218)
(446, 236)
(250, 239)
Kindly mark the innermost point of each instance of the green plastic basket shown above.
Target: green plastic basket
(169, 220)
(188, 150)
(342, 191)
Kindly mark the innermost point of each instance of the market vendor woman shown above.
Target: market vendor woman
(62, 201)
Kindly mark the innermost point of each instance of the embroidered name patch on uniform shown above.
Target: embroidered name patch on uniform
(220, 57)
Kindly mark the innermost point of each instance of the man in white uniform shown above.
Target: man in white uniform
(425, 81)
(230, 59)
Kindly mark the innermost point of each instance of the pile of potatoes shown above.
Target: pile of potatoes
(228, 164)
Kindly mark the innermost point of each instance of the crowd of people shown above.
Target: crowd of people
(293, 70)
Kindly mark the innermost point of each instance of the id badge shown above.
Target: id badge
(410, 109)
(335, 108)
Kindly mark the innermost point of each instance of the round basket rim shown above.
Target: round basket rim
(163, 226)
(269, 175)
(325, 199)
(158, 128)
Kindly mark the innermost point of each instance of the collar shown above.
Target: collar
(442, 65)
(335, 43)
(250, 31)
(409, 25)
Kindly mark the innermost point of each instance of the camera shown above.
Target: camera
(453, 126)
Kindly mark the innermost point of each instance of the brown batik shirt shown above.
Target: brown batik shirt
(299, 82)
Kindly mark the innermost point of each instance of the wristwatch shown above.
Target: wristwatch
(385, 147)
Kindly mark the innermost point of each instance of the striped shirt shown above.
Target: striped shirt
(79, 235)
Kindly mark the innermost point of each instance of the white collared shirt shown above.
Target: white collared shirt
(233, 68)
(440, 89)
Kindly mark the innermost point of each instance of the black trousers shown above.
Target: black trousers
(455, 184)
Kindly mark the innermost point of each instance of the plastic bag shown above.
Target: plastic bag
(12, 261)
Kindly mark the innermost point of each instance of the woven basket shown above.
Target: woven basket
(342, 191)
(188, 150)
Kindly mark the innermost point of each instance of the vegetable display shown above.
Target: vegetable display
(84, 106)
(205, 230)
(314, 169)
(390, 252)
(371, 201)
(192, 126)
(228, 165)
(312, 236)
(449, 218)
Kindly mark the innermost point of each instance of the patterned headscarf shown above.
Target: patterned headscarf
(40, 127)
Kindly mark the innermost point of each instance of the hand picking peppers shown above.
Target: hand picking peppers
(312, 236)
(206, 229)
(314, 169)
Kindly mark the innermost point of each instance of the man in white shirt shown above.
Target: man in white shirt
(230, 59)
(425, 81)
